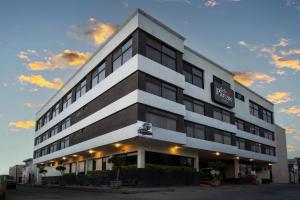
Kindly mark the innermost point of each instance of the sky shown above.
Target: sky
(42, 43)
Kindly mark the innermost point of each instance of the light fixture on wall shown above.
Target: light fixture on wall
(237, 157)
(91, 151)
(75, 155)
(117, 145)
(251, 159)
(64, 158)
(217, 153)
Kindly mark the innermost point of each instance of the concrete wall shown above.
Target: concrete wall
(280, 169)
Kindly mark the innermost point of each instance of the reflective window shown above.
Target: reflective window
(98, 74)
(81, 89)
(67, 101)
(122, 55)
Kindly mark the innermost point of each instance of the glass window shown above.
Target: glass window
(81, 89)
(189, 129)
(225, 116)
(67, 101)
(188, 104)
(47, 117)
(169, 92)
(66, 124)
(220, 81)
(227, 138)
(199, 107)
(161, 53)
(81, 167)
(153, 54)
(240, 124)
(253, 109)
(64, 143)
(218, 138)
(54, 131)
(122, 55)
(240, 143)
(73, 167)
(98, 74)
(239, 96)
(153, 87)
(160, 121)
(55, 110)
(197, 77)
(217, 115)
(193, 75)
(199, 131)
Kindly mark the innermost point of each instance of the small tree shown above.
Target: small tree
(42, 171)
(117, 163)
(61, 169)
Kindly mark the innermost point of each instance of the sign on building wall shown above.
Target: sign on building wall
(145, 129)
(222, 95)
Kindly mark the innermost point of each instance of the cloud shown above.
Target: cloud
(40, 81)
(33, 104)
(279, 97)
(23, 56)
(210, 3)
(67, 58)
(248, 78)
(289, 129)
(291, 148)
(281, 62)
(280, 72)
(94, 32)
(297, 138)
(249, 46)
(22, 124)
(294, 110)
(277, 58)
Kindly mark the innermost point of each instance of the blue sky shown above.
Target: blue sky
(42, 43)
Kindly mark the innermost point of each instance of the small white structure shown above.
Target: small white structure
(29, 173)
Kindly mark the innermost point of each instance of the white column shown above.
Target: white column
(196, 163)
(236, 168)
(141, 158)
(86, 167)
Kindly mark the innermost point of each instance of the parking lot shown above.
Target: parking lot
(245, 192)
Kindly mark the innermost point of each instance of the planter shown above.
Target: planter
(115, 184)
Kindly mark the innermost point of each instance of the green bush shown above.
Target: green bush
(70, 174)
(168, 168)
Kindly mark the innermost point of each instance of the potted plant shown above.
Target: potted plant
(42, 171)
(117, 163)
(61, 169)
(215, 172)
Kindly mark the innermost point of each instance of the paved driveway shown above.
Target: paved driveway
(268, 192)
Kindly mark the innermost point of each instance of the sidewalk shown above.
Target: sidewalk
(106, 189)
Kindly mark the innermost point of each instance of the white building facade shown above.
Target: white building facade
(149, 99)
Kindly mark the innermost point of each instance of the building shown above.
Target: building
(293, 170)
(29, 174)
(149, 99)
(16, 173)
(280, 169)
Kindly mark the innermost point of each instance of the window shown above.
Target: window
(161, 120)
(81, 167)
(66, 124)
(269, 135)
(64, 143)
(221, 82)
(195, 130)
(98, 74)
(218, 138)
(193, 105)
(221, 115)
(47, 117)
(45, 136)
(253, 109)
(193, 75)
(169, 92)
(161, 89)
(255, 147)
(217, 114)
(122, 55)
(53, 147)
(240, 143)
(167, 159)
(73, 167)
(39, 123)
(240, 124)
(81, 89)
(227, 138)
(54, 131)
(55, 110)
(254, 129)
(239, 96)
(267, 116)
(161, 53)
(67, 101)
(128, 158)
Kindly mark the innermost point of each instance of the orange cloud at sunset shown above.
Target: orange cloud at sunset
(67, 58)
(40, 81)
(294, 110)
(93, 31)
(279, 97)
(22, 124)
(248, 78)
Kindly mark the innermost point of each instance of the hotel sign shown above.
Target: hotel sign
(222, 95)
